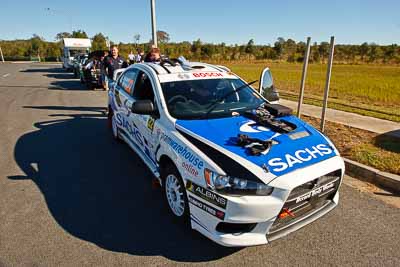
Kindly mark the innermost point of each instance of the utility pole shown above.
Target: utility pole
(327, 83)
(153, 22)
(108, 43)
(1, 53)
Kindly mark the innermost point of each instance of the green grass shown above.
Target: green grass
(376, 157)
(372, 90)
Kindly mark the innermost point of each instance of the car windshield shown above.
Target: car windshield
(209, 98)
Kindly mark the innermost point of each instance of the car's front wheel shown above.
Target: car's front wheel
(89, 85)
(175, 194)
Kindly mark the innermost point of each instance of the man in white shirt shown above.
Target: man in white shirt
(131, 58)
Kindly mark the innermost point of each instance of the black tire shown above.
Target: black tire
(171, 170)
(89, 86)
(110, 125)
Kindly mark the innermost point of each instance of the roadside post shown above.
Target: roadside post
(153, 22)
(327, 83)
(304, 75)
(1, 53)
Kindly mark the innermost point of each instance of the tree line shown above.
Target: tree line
(282, 50)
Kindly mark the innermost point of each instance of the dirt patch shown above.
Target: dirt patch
(372, 149)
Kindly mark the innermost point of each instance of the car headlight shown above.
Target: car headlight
(234, 185)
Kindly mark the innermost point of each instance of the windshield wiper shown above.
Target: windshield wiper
(216, 102)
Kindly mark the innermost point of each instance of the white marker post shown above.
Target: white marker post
(327, 83)
(1, 53)
(303, 77)
(153, 22)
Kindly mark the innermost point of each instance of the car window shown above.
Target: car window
(143, 87)
(127, 81)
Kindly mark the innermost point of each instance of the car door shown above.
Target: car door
(144, 89)
(267, 88)
(124, 117)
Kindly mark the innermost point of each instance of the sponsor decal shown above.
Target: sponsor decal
(207, 74)
(130, 128)
(210, 210)
(315, 192)
(190, 169)
(186, 154)
(150, 124)
(207, 194)
(252, 127)
(134, 135)
(299, 157)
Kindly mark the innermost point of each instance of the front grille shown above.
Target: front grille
(306, 199)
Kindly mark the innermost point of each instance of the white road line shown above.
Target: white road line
(5, 75)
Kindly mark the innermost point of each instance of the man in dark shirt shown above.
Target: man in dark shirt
(113, 62)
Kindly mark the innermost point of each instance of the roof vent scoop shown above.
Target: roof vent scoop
(185, 64)
(182, 60)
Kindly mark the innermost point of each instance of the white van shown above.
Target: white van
(73, 47)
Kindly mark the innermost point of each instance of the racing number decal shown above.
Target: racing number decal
(150, 124)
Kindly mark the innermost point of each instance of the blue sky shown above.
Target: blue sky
(351, 21)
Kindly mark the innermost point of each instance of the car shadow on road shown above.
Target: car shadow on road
(63, 75)
(73, 85)
(98, 190)
(64, 80)
(45, 70)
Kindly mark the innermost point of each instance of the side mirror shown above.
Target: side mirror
(144, 107)
(267, 88)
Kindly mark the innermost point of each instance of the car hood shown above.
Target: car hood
(298, 149)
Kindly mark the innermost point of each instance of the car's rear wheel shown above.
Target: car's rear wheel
(175, 194)
(112, 124)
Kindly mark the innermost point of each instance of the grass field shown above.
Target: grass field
(372, 90)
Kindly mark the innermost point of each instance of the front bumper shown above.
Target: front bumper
(263, 211)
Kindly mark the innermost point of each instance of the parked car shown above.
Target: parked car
(91, 71)
(235, 167)
(78, 62)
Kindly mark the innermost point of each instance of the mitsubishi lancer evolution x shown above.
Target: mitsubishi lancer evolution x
(233, 163)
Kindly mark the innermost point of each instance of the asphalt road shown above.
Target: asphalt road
(70, 195)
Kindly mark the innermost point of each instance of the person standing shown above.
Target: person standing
(131, 57)
(139, 56)
(113, 62)
(153, 56)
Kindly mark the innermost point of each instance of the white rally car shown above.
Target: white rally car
(238, 169)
